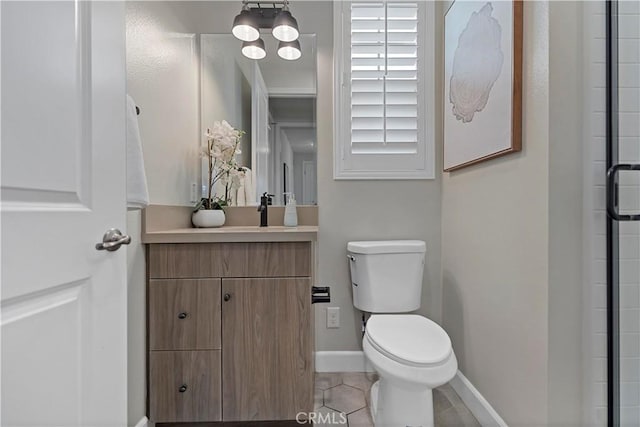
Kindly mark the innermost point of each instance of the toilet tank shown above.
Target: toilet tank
(386, 276)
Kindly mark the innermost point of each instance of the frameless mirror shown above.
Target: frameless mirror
(273, 101)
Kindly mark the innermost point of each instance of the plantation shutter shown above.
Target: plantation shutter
(384, 78)
(384, 114)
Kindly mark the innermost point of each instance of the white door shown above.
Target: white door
(63, 185)
(260, 133)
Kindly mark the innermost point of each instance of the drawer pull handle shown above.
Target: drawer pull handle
(182, 388)
(182, 315)
(227, 297)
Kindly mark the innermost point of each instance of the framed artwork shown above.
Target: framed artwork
(483, 81)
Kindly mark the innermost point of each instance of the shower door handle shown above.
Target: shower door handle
(612, 192)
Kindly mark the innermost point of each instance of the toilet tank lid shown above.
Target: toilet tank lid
(387, 247)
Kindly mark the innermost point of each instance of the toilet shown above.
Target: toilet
(411, 353)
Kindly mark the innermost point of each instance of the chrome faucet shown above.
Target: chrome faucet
(265, 201)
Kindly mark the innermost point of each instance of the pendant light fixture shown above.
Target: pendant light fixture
(254, 49)
(289, 50)
(284, 27)
(245, 25)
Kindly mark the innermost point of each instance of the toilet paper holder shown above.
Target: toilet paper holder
(320, 294)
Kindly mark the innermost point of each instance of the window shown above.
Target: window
(384, 68)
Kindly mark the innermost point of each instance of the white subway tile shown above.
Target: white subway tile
(599, 197)
(629, 178)
(629, 228)
(598, 124)
(600, 247)
(629, 345)
(629, 247)
(629, 320)
(628, 199)
(598, 52)
(600, 321)
(628, 100)
(629, 416)
(630, 297)
(629, 391)
(628, 50)
(600, 221)
(598, 100)
(599, 343)
(628, 76)
(600, 416)
(600, 394)
(630, 272)
(629, 150)
(598, 26)
(599, 296)
(629, 26)
(599, 148)
(598, 75)
(599, 269)
(599, 173)
(626, 7)
(629, 125)
(599, 369)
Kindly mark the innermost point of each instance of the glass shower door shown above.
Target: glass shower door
(623, 211)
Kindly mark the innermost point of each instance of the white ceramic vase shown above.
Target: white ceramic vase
(208, 218)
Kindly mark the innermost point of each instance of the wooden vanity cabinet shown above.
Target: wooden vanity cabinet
(230, 331)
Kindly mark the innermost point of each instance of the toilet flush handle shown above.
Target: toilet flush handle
(351, 258)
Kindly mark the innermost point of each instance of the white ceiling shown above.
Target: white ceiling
(293, 109)
(302, 140)
(289, 77)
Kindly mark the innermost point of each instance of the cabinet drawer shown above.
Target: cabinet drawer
(255, 259)
(184, 314)
(184, 386)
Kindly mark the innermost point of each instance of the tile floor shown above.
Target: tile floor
(347, 393)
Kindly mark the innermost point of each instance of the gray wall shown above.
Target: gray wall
(365, 210)
(511, 253)
(566, 217)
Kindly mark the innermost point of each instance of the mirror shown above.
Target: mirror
(274, 102)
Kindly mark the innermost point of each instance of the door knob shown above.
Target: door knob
(112, 240)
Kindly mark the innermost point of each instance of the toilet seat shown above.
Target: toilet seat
(409, 339)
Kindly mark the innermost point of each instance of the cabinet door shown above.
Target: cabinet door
(266, 352)
(184, 314)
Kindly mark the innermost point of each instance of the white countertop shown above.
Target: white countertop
(304, 233)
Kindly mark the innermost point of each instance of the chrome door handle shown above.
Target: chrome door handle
(112, 240)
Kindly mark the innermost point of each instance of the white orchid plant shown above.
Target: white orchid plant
(221, 149)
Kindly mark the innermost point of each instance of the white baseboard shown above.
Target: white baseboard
(342, 361)
(144, 422)
(477, 404)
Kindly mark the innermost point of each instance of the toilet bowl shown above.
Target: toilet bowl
(412, 356)
(411, 353)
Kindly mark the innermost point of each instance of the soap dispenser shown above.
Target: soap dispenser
(290, 211)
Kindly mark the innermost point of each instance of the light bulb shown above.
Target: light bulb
(254, 49)
(289, 50)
